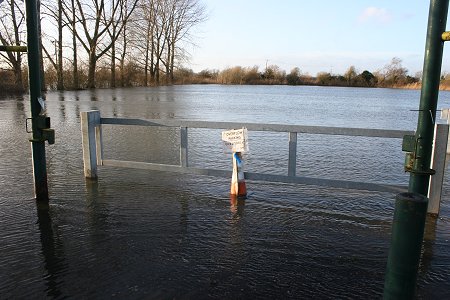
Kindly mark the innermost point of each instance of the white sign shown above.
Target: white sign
(235, 140)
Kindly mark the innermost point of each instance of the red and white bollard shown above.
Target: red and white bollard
(238, 187)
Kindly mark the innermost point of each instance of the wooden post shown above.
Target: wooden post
(183, 147)
(437, 164)
(238, 186)
(445, 114)
(292, 163)
(99, 143)
(90, 120)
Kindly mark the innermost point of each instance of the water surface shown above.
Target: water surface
(143, 234)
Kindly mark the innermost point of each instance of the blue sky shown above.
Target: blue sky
(313, 35)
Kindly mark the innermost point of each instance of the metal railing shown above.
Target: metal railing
(91, 123)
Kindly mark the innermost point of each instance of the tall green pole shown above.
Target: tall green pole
(38, 143)
(420, 173)
(410, 208)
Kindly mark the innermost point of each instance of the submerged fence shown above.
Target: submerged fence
(91, 125)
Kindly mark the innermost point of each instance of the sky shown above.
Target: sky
(316, 36)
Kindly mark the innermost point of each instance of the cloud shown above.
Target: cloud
(376, 14)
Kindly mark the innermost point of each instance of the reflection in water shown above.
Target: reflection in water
(97, 214)
(93, 95)
(114, 95)
(62, 108)
(428, 244)
(237, 206)
(91, 190)
(52, 250)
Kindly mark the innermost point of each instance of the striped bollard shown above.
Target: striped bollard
(238, 187)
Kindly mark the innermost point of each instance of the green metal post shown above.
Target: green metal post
(420, 173)
(411, 208)
(38, 143)
(406, 243)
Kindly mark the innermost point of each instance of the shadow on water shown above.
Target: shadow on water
(52, 250)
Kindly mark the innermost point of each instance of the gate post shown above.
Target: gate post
(406, 243)
(438, 164)
(411, 208)
(90, 125)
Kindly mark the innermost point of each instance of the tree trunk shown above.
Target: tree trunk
(167, 64)
(60, 80)
(18, 72)
(41, 57)
(172, 63)
(16, 60)
(122, 58)
(75, 82)
(113, 65)
(146, 64)
(156, 70)
(172, 60)
(152, 64)
(91, 71)
(113, 58)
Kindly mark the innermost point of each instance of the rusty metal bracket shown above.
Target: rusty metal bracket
(409, 145)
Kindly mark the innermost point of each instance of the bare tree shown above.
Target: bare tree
(70, 13)
(393, 73)
(161, 20)
(75, 83)
(184, 15)
(118, 25)
(167, 24)
(11, 21)
(56, 13)
(350, 75)
(149, 13)
(41, 57)
(95, 21)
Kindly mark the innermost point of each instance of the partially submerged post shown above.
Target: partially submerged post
(91, 137)
(409, 216)
(445, 114)
(404, 254)
(236, 142)
(238, 186)
(438, 165)
(40, 124)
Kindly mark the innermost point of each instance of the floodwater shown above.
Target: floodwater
(140, 234)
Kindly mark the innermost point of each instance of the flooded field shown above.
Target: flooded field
(140, 234)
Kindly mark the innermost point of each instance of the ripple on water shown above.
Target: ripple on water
(141, 234)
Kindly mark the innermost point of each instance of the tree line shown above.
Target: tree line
(110, 43)
(391, 75)
(101, 43)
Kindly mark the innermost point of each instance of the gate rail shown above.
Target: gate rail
(91, 124)
(91, 127)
